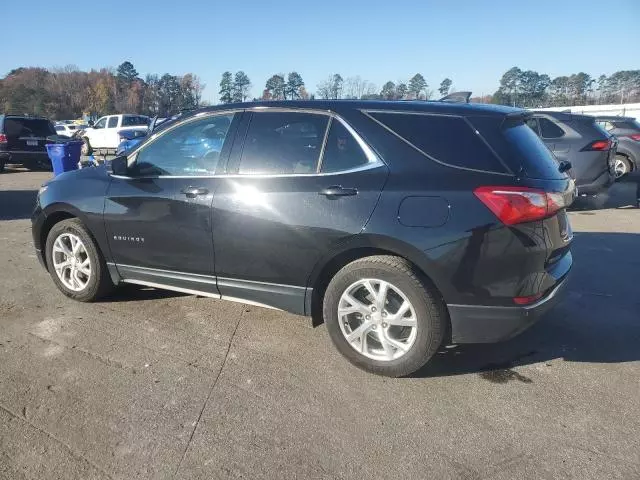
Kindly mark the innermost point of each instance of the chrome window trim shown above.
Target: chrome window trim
(374, 160)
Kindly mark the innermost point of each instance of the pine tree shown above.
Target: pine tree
(226, 88)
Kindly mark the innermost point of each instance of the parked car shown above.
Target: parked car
(104, 135)
(580, 141)
(69, 129)
(130, 138)
(627, 131)
(23, 140)
(402, 225)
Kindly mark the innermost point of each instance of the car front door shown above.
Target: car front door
(97, 135)
(110, 135)
(296, 187)
(158, 216)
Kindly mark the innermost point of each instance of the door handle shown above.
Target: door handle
(193, 192)
(338, 191)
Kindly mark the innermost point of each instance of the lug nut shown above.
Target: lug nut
(373, 309)
(384, 325)
(374, 327)
(368, 317)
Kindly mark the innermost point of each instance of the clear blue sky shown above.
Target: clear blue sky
(471, 42)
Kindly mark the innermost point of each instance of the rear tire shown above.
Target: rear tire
(88, 258)
(622, 166)
(372, 332)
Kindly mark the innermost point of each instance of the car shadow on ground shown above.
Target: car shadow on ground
(137, 293)
(598, 321)
(17, 204)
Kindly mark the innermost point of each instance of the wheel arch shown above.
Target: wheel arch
(359, 247)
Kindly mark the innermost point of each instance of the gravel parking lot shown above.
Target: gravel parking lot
(153, 384)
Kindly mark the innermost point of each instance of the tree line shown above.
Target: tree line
(71, 93)
(528, 88)
(66, 93)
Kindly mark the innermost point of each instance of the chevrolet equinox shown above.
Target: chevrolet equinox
(402, 225)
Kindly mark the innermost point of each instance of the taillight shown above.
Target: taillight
(598, 146)
(514, 205)
(635, 136)
(527, 300)
(3, 138)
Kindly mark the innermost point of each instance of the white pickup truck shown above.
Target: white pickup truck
(103, 137)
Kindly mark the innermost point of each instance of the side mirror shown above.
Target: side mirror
(117, 166)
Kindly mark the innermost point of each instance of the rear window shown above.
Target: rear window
(134, 120)
(449, 140)
(28, 127)
(519, 146)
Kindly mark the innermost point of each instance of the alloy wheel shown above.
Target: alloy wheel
(71, 261)
(377, 319)
(620, 168)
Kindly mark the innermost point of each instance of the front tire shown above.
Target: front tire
(75, 263)
(383, 317)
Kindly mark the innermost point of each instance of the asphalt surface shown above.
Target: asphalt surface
(152, 384)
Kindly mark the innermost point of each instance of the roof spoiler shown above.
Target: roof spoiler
(456, 97)
(515, 118)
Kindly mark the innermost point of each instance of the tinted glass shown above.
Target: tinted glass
(550, 129)
(532, 123)
(101, 123)
(450, 140)
(113, 122)
(59, 128)
(342, 151)
(190, 149)
(534, 156)
(283, 142)
(134, 120)
(28, 127)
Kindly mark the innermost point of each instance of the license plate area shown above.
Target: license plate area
(32, 143)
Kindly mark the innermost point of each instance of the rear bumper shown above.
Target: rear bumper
(488, 324)
(22, 156)
(599, 185)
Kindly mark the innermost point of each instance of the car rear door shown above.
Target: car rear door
(296, 186)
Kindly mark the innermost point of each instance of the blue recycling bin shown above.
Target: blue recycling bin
(64, 156)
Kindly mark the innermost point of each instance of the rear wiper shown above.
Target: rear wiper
(564, 166)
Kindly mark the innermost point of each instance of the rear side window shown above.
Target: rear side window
(283, 143)
(59, 128)
(550, 129)
(113, 122)
(342, 151)
(28, 127)
(449, 140)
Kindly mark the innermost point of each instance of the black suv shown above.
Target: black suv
(627, 131)
(579, 140)
(402, 224)
(23, 140)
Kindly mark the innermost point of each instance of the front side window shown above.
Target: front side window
(548, 129)
(113, 122)
(101, 123)
(192, 148)
(283, 143)
(342, 151)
